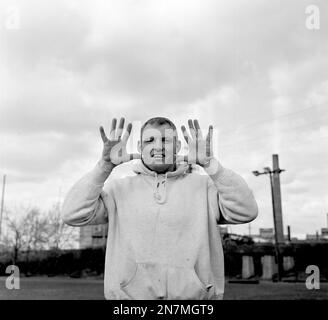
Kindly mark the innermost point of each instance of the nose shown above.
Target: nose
(158, 145)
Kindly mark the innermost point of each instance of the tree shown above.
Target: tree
(30, 231)
(34, 232)
(26, 232)
(13, 238)
(60, 235)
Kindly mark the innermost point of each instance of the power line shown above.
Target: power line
(235, 156)
(270, 119)
(271, 134)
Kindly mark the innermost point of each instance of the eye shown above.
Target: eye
(151, 139)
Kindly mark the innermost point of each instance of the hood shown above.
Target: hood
(160, 180)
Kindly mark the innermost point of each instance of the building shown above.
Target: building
(93, 236)
(265, 235)
(318, 237)
(312, 237)
(324, 233)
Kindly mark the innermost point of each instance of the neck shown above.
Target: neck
(171, 168)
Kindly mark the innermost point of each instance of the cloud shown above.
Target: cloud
(41, 155)
(252, 69)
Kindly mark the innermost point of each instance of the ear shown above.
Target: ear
(139, 146)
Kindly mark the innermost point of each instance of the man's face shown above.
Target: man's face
(158, 147)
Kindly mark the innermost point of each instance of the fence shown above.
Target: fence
(77, 263)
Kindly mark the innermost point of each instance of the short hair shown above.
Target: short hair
(158, 121)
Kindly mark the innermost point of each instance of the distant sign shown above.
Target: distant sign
(266, 233)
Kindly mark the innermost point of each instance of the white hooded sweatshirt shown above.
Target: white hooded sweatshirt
(163, 241)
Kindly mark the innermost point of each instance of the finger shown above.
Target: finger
(185, 134)
(209, 141)
(112, 130)
(103, 134)
(192, 129)
(127, 133)
(120, 128)
(199, 134)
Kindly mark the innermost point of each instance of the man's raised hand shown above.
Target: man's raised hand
(114, 149)
(200, 148)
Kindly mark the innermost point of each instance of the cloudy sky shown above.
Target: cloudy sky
(253, 69)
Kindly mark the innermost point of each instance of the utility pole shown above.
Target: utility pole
(2, 202)
(276, 207)
(277, 198)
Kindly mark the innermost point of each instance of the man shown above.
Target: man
(163, 241)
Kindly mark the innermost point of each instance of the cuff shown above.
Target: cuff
(105, 166)
(102, 171)
(214, 169)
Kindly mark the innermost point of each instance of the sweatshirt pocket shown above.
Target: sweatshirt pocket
(153, 281)
(184, 284)
(147, 282)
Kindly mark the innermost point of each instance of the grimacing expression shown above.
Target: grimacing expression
(158, 147)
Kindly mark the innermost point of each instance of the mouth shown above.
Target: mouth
(158, 156)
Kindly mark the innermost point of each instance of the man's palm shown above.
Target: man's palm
(200, 148)
(114, 149)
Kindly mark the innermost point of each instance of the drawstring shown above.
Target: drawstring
(158, 195)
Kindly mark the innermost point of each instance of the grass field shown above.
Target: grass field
(41, 288)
